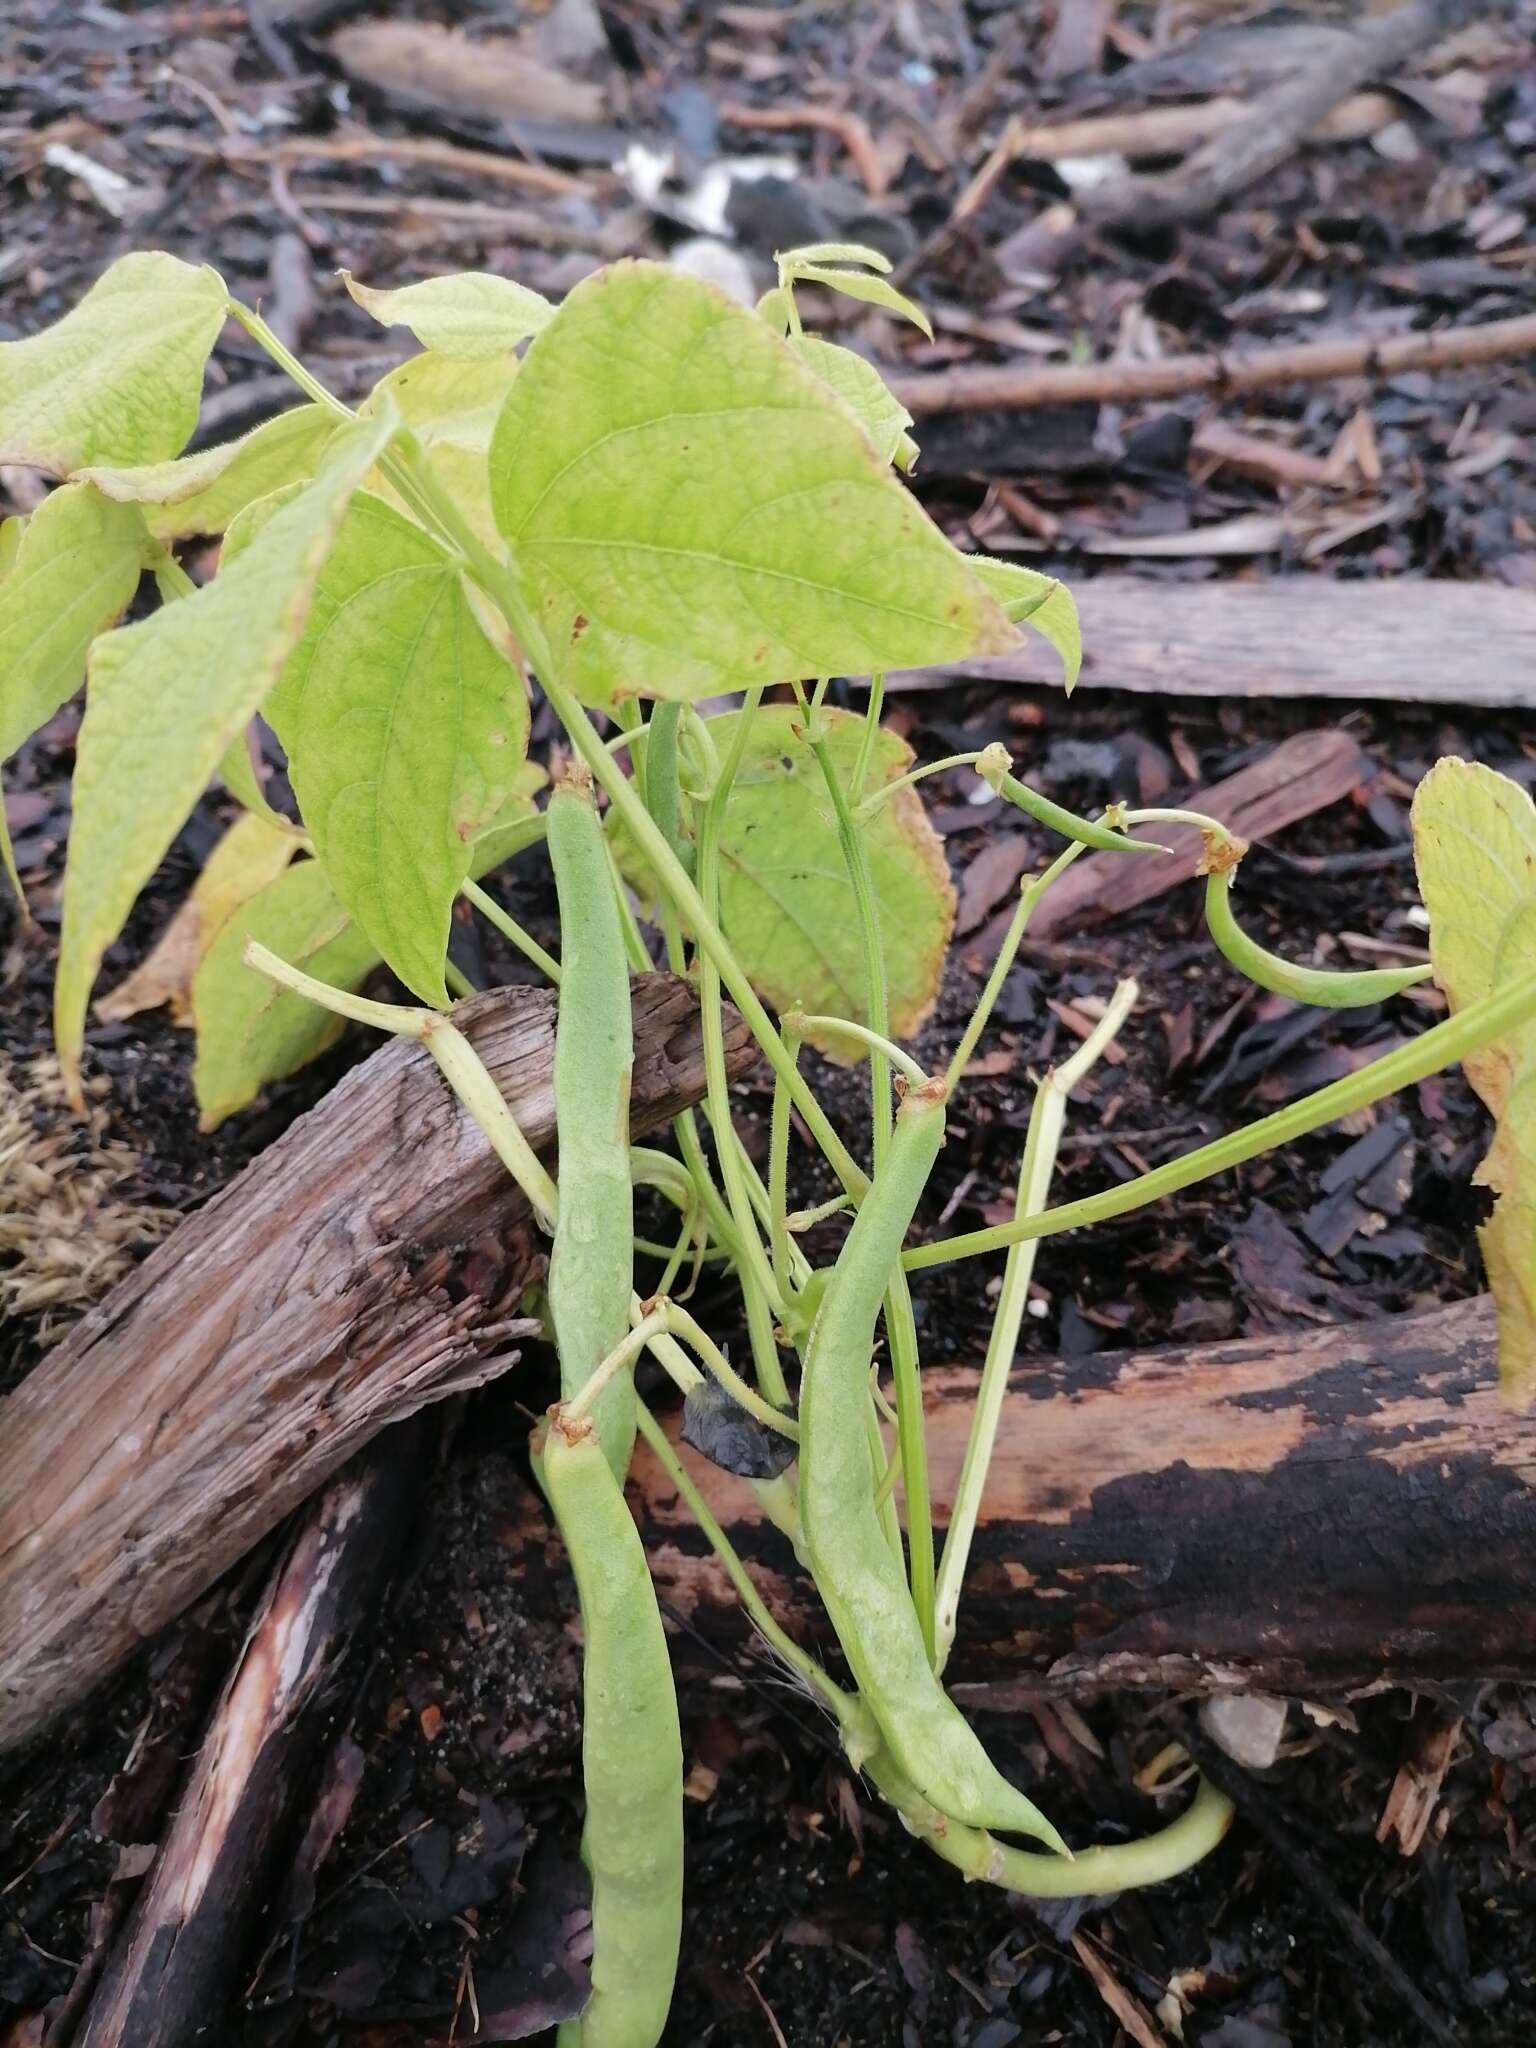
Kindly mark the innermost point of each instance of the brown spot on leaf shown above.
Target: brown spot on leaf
(578, 626)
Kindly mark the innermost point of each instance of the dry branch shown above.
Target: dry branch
(1278, 120)
(1306, 1512)
(1007, 388)
(366, 1264)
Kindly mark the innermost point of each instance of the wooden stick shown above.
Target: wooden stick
(1277, 121)
(1006, 387)
(369, 1262)
(1401, 640)
(179, 1960)
(1303, 1513)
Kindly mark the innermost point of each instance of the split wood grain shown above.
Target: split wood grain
(369, 1262)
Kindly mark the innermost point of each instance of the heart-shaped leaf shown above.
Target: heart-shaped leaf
(120, 378)
(690, 510)
(470, 315)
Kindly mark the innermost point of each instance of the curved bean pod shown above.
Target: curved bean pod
(860, 1580)
(993, 768)
(1330, 991)
(631, 1749)
(591, 1266)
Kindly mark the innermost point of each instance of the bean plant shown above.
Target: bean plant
(681, 518)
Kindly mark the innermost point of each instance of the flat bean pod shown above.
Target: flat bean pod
(858, 1576)
(591, 1265)
(632, 1753)
(1330, 991)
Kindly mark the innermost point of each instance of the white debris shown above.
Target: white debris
(1247, 1725)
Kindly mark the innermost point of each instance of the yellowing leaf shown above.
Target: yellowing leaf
(785, 898)
(248, 1031)
(249, 855)
(865, 393)
(202, 493)
(166, 697)
(119, 379)
(690, 510)
(403, 749)
(11, 531)
(469, 315)
(1474, 842)
(76, 568)
(452, 408)
(1043, 604)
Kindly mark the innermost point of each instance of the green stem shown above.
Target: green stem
(875, 704)
(285, 359)
(1040, 1146)
(1007, 952)
(1481, 1024)
(511, 930)
(459, 983)
(778, 1171)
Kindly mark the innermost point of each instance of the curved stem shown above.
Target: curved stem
(1480, 1024)
(1007, 952)
(1118, 1868)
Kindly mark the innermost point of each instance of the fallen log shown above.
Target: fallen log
(369, 1262)
(1307, 1513)
(1401, 641)
(179, 1959)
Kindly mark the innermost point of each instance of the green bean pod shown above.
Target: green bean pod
(631, 1750)
(1330, 991)
(663, 795)
(591, 1265)
(993, 768)
(859, 1578)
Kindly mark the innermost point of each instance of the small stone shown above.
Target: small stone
(1247, 1725)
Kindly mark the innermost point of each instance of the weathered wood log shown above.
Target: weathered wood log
(179, 1961)
(367, 1263)
(1405, 640)
(1303, 1513)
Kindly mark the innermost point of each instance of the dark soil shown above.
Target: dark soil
(812, 1919)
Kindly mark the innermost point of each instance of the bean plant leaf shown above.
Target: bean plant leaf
(1043, 604)
(690, 510)
(452, 408)
(1474, 842)
(373, 539)
(250, 854)
(203, 493)
(785, 899)
(119, 379)
(467, 316)
(77, 567)
(403, 757)
(11, 531)
(865, 393)
(165, 698)
(249, 1032)
(872, 291)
